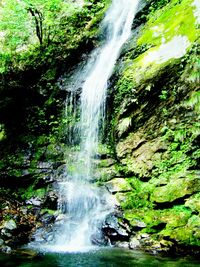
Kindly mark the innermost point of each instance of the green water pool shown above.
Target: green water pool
(107, 257)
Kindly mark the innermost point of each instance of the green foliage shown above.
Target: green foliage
(178, 158)
(21, 19)
(191, 62)
(138, 197)
(29, 27)
(15, 26)
(161, 23)
(31, 192)
(124, 125)
(2, 132)
(163, 95)
(157, 4)
(125, 88)
(194, 102)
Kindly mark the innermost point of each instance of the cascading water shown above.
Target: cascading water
(83, 204)
(118, 22)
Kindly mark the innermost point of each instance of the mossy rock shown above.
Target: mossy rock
(118, 185)
(140, 155)
(193, 202)
(176, 189)
(187, 235)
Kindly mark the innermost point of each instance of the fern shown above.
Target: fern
(124, 125)
(194, 101)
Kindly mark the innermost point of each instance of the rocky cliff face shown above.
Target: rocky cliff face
(154, 96)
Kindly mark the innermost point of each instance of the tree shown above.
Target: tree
(23, 19)
(15, 26)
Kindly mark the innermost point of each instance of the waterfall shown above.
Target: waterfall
(84, 205)
(117, 23)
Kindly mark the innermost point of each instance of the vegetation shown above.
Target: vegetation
(38, 30)
(154, 127)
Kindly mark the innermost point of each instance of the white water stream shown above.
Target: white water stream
(83, 204)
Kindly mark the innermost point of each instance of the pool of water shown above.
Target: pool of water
(109, 257)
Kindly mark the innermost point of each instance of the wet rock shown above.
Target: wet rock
(1, 242)
(34, 201)
(144, 235)
(137, 224)
(176, 189)
(10, 225)
(60, 217)
(51, 201)
(36, 211)
(47, 219)
(113, 230)
(118, 185)
(44, 165)
(60, 172)
(5, 233)
(134, 243)
(30, 254)
(6, 249)
(122, 244)
(99, 239)
(138, 154)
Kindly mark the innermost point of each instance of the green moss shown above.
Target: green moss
(194, 202)
(139, 196)
(50, 212)
(161, 27)
(187, 234)
(194, 100)
(2, 132)
(31, 192)
(162, 23)
(155, 220)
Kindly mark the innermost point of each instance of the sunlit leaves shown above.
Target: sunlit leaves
(15, 25)
(18, 24)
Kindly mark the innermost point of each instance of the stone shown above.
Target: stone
(44, 165)
(134, 243)
(145, 235)
(1, 242)
(193, 203)
(105, 163)
(176, 189)
(137, 224)
(10, 225)
(30, 254)
(121, 197)
(51, 201)
(6, 249)
(99, 239)
(24, 210)
(47, 219)
(34, 201)
(60, 217)
(138, 154)
(105, 174)
(166, 243)
(122, 244)
(5, 232)
(113, 230)
(118, 185)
